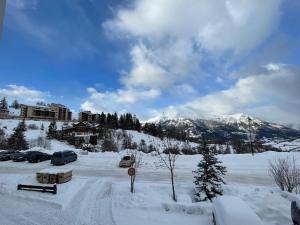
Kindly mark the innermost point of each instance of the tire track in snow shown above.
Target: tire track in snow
(94, 206)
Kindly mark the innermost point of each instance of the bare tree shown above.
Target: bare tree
(138, 159)
(168, 159)
(285, 173)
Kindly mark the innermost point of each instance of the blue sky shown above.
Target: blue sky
(152, 57)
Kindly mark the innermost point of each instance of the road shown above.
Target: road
(146, 175)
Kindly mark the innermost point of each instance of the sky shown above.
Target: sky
(176, 58)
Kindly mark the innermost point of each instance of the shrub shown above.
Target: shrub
(285, 173)
(32, 126)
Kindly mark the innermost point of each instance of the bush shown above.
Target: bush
(174, 151)
(32, 126)
(285, 173)
(189, 151)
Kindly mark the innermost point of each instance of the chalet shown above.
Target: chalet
(81, 132)
(4, 113)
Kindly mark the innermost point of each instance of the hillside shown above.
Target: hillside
(231, 127)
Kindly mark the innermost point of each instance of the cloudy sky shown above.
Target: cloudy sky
(194, 58)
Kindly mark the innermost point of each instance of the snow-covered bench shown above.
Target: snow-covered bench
(230, 210)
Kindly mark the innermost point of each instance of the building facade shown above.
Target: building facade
(51, 112)
(88, 116)
(4, 113)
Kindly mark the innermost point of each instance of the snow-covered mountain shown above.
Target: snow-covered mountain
(228, 127)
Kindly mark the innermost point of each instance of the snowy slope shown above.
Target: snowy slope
(228, 127)
(9, 124)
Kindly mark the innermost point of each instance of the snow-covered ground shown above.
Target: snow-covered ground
(99, 191)
(284, 145)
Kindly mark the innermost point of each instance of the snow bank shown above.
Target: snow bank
(229, 210)
(153, 204)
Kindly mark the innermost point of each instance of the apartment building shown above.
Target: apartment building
(51, 112)
(88, 116)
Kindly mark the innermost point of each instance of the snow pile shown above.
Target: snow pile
(267, 203)
(229, 210)
(153, 204)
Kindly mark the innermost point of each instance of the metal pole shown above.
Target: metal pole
(250, 135)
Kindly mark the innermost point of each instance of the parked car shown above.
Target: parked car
(19, 157)
(230, 210)
(295, 211)
(126, 161)
(6, 155)
(36, 156)
(64, 157)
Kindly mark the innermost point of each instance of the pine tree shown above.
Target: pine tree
(52, 129)
(209, 175)
(3, 104)
(17, 140)
(2, 139)
(15, 104)
(137, 125)
(102, 120)
(22, 125)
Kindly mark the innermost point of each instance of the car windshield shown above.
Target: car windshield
(126, 158)
(57, 155)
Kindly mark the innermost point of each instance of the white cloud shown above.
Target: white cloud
(120, 100)
(174, 41)
(24, 94)
(213, 25)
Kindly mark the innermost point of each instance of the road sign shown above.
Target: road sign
(131, 171)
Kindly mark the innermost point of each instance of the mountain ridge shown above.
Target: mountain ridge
(227, 127)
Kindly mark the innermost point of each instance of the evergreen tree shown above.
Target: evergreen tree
(52, 130)
(2, 139)
(115, 122)
(209, 175)
(102, 120)
(15, 104)
(109, 120)
(122, 122)
(3, 104)
(137, 125)
(22, 125)
(17, 140)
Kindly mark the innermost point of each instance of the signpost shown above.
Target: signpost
(131, 173)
